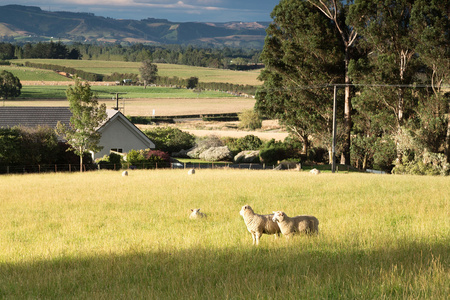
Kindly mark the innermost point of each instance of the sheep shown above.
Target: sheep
(196, 214)
(314, 171)
(299, 224)
(191, 172)
(125, 173)
(258, 225)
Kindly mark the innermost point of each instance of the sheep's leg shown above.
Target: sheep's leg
(253, 238)
(257, 235)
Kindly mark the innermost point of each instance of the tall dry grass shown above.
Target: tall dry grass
(100, 235)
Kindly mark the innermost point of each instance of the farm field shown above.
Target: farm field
(168, 70)
(99, 235)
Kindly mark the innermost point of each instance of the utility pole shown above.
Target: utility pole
(117, 101)
(333, 149)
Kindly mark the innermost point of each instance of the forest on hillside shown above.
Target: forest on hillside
(223, 58)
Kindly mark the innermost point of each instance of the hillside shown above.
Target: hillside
(29, 23)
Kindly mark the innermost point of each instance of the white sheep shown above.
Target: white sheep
(299, 224)
(258, 225)
(196, 214)
(191, 172)
(314, 171)
(125, 173)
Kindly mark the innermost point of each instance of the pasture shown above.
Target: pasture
(167, 70)
(99, 235)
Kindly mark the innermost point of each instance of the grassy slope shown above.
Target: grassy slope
(130, 237)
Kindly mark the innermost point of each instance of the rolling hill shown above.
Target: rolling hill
(30, 23)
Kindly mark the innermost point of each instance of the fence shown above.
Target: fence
(55, 168)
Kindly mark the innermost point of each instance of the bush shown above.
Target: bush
(272, 152)
(249, 119)
(428, 164)
(169, 139)
(112, 161)
(148, 159)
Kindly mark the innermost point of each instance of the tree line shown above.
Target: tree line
(391, 61)
(224, 58)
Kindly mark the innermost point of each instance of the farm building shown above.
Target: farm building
(117, 133)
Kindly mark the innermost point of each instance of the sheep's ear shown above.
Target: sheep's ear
(192, 209)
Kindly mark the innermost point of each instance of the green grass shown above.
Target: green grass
(104, 92)
(103, 236)
(167, 70)
(32, 74)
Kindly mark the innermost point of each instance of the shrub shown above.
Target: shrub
(249, 119)
(148, 158)
(111, 162)
(169, 139)
(272, 151)
(428, 164)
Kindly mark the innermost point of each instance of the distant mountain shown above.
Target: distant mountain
(30, 23)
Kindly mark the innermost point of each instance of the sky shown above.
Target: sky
(172, 10)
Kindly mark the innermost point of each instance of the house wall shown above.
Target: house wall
(118, 134)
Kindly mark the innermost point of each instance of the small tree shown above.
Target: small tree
(148, 71)
(191, 82)
(10, 85)
(88, 115)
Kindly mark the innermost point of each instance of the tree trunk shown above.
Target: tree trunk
(345, 157)
(447, 138)
(81, 161)
(305, 148)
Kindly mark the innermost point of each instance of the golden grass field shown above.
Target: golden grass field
(99, 235)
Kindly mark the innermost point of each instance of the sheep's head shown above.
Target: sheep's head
(278, 216)
(245, 209)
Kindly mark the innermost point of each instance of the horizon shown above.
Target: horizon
(216, 11)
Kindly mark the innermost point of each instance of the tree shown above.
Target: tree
(431, 26)
(149, 72)
(191, 82)
(386, 37)
(87, 116)
(337, 12)
(10, 85)
(302, 55)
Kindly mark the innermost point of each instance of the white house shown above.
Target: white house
(120, 135)
(117, 132)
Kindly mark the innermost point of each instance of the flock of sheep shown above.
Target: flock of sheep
(275, 223)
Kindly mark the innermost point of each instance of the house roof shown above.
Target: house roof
(27, 116)
(11, 116)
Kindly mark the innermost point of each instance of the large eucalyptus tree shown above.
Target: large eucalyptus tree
(302, 55)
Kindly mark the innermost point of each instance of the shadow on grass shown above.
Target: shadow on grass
(288, 271)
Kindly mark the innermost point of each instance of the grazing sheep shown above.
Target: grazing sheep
(125, 173)
(196, 214)
(315, 171)
(298, 224)
(258, 225)
(191, 172)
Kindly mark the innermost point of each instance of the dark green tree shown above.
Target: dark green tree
(302, 55)
(149, 72)
(10, 85)
(431, 26)
(337, 12)
(391, 64)
(191, 82)
(87, 116)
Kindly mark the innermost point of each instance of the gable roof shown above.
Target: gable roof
(114, 115)
(31, 116)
